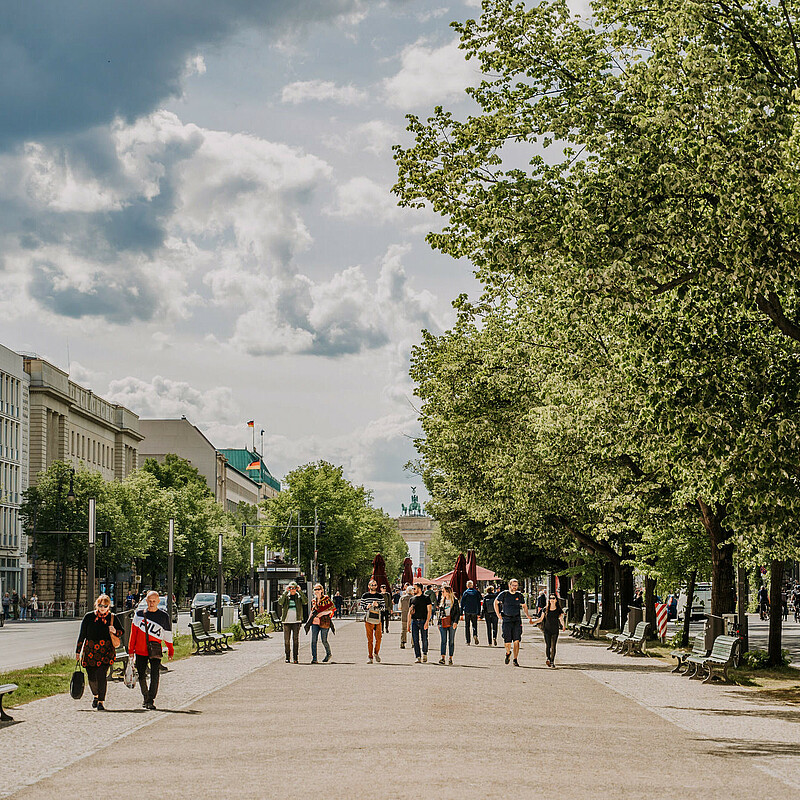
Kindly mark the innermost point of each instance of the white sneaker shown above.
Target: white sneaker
(369, 662)
(418, 661)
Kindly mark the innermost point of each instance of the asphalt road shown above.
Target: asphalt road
(31, 644)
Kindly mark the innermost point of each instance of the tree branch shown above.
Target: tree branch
(771, 306)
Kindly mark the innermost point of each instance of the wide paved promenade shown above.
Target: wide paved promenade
(254, 727)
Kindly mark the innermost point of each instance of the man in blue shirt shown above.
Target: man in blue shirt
(471, 608)
(508, 606)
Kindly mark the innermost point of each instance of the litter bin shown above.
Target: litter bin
(591, 608)
(228, 616)
(715, 626)
(635, 616)
(731, 624)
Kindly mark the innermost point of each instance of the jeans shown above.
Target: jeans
(550, 641)
(98, 681)
(291, 630)
(448, 635)
(471, 619)
(316, 632)
(373, 631)
(419, 632)
(491, 628)
(143, 663)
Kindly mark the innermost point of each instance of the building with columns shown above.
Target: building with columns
(13, 471)
(417, 529)
(70, 423)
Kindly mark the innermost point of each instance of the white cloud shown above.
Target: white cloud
(430, 76)
(363, 197)
(304, 91)
(375, 136)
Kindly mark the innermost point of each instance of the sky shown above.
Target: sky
(196, 214)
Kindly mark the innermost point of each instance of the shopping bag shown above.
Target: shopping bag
(129, 676)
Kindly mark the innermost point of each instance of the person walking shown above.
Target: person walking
(508, 605)
(763, 602)
(320, 622)
(372, 604)
(6, 605)
(387, 608)
(541, 602)
(151, 630)
(338, 601)
(405, 603)
(23, 607)
(292, 604)
(448, 614)
(552, 620)
(432, 596)
(490, 616)
(420, 609)
(96, 649)
(15, 604)
(471, 609)
(33, 605)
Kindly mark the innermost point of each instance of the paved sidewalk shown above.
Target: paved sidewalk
(401, 730)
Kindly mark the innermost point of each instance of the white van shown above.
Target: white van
(701, 604)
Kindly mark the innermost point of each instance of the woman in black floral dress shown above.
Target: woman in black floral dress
(98, 648)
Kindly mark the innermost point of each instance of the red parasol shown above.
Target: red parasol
(408, 571)
(472, 568)
(379, 572)
(459, 580)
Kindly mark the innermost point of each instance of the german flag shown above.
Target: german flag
(254, 465)
(251, 423)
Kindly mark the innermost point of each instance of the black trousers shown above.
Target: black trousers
(98, 681)
(550, 641)
(385, 620)
(491, 628)
(153, 665)
(291, 638)
(470, 619)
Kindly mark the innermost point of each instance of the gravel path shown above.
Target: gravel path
(402, 730)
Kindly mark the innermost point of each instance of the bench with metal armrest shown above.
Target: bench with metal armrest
(277, 623)
(589, 630)
(617, 639)
(573, 628)
(5, 689)
(698, 651)
(252, 630)
(203, 643)
(723, 656)
(638, 642)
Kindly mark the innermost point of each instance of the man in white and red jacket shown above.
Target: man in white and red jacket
(151, 630)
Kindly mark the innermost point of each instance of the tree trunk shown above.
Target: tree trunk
(608, 620)
(625, 591)
(687, 611)
(776, 568)
(722, 581)
(650, 605)
(744, 634)
(578, 605)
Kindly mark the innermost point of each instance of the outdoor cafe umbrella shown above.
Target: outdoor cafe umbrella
(379, 572)
(459, 580)
(472, 568)
(408, 571)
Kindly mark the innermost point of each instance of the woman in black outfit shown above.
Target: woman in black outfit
(98, 649)
(552, 622)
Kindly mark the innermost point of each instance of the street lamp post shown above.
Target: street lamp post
(91, 583)
(171, 567)
(252, 569)
(58, 588)
(219, 586)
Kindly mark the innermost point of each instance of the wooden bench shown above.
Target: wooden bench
(617, 639)
(5, 689)
(247, 619)
(638, 642)
(203, 643)
(723, 655)
(277, 623)
(589, 630)
(699, 651)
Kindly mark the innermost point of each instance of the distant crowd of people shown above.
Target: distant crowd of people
(20, 607)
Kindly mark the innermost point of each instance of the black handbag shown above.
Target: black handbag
(153, 645)
(77, 682)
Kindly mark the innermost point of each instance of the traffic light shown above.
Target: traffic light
(321, 527)
(105, 538)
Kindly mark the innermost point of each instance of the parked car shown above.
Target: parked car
(162, 604)
(701, 603)
(209, 600)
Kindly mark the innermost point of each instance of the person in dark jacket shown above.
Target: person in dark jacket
(490, 616)
(471, 609)
(95, 648)
(552, 620)
(448, 613)
(292, 605)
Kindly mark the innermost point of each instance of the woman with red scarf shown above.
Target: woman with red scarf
(320, 619)
(96, 649)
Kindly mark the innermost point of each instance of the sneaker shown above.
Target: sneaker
(516, 663)
(326, 659)
(451, 661)
(418, 661)
(476, 641)
(495, 642)
(151, 706)
(467, 642)
(441, 660)
(100, 706)
(424, 658)
(369, 661)
(402, 646)
(548, 662)
(508, 657)
(95, 702)
(314, 661)
(287, 659)
(295, 661)
(144, 703)
(377, 658)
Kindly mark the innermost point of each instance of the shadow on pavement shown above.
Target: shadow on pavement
(787, 716)
(628, 666)
(735, 748)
